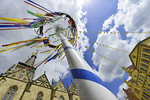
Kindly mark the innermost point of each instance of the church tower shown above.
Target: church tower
(16, 79)
(18, 84)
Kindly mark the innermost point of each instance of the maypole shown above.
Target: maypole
(88, 83)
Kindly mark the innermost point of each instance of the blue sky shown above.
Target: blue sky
(97, 12)
(101, 15)
(114, 16)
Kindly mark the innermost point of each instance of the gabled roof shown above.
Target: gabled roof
(60, 86)
(133, 56)
(19, 75)
(73, 89)
(42, 81)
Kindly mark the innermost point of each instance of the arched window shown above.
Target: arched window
(39, 96)
(61, 98)
(10, 93)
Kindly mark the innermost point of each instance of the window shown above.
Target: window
(142, 99)
(134, 56)
(145, 66)
(137, 91)
(143, 69)
(148, 89)
(61, 98)
(146, 96)
(10, 93)
(140, 79)
(139, 82)
(146, 56)
(148, 79)
(39, 96)
(145, 61)
(146, 50)
(141, 76)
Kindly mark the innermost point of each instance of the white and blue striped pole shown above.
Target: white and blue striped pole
(88, 83)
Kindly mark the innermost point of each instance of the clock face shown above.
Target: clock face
(20, 75)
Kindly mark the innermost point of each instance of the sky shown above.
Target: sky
(92, 17)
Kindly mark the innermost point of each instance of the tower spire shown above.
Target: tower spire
(31, 60)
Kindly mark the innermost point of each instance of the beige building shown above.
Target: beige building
(139, 86)
(18, 84)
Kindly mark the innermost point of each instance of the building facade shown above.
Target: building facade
(18, 84)
(140, 71)
(130, 94)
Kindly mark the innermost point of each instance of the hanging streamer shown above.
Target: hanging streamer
(15, 20)
(39, 5)
(35, 6)
(41, 40)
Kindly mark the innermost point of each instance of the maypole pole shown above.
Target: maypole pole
(88, 83)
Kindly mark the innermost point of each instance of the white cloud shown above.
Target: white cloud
(17, 9)
(121, 94)
(134, 16)
(108, 23)
(117, 56)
